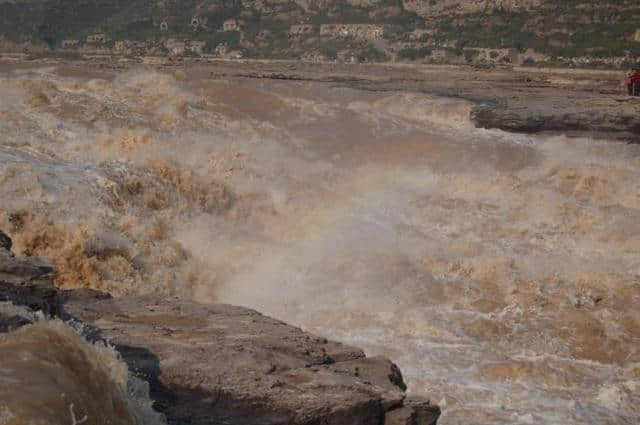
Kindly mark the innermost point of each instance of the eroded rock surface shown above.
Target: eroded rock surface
(221, 364)
(226, 364)
(521, 100)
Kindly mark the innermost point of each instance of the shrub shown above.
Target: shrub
(413, 53)
(371, 54)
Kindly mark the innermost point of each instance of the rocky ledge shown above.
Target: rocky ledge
(221, 364)
(523, 100)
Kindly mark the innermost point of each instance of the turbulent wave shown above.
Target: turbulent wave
(426, 110)
(49, 374)
(500, 271)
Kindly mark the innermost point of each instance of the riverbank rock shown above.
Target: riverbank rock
(21, 269)
(26, 281)
(413, 412)
(601, 118)
(226, 364)
(222, 364)
(5, 241)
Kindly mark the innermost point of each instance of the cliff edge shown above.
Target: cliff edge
(219, 364)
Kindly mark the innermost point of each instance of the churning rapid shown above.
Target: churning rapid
(500, 271)
(51, 375)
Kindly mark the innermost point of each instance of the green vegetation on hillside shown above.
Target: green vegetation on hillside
(414, 53)
(547, 34)
(570, 28)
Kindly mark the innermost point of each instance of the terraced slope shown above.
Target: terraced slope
(413, 29)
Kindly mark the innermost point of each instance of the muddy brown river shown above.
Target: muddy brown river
(500, 271)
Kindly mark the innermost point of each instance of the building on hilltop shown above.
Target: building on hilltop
(194, 46)
(374, 32)
(230, 25)
(69, 43)
(221, 49)
(486, 55)
(120, 46)
(130, 47)
(97, 38)
(362, 31)
(198, 22)
(180, 47)
(175, 47)
(297, 30)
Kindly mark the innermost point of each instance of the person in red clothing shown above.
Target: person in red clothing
(633, 83)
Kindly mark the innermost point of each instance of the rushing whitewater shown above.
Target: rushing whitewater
(49, 375)
(500, 271)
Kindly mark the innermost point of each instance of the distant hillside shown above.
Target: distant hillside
(413, 30)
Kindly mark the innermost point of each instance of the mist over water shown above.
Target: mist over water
(500, 271)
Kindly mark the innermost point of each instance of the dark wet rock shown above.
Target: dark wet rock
(37, 296)
(26, 281)
(622, 124)
(11, 322)
(413, 412)
(5, 241)
(20, 269)
(17, 269)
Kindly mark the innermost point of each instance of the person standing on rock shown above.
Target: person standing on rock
(633, 83)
